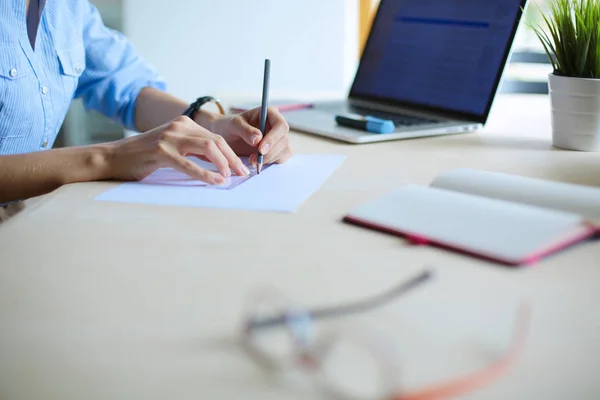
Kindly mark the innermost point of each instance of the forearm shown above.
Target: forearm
(155, 108)
(28, 175)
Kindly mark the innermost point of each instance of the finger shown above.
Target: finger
(279, 129)
(273, 154)
(206, 147)
(200, 141)
(252, 160)
(192, 169)
(250, 134)
(235, 163)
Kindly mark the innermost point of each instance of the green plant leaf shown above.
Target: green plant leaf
(570, 35)
(548, 48)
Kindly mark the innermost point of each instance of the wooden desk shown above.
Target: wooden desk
(115, 301)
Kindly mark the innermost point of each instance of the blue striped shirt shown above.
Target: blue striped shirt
(75, 56)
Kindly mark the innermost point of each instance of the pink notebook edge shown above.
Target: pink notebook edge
(419, 239)
(280, 108)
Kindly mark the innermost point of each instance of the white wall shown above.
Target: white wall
(218, 47)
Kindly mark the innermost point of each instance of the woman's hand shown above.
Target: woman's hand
(136, 157)
(242, 133)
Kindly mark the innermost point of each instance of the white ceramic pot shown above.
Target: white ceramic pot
(575, 112)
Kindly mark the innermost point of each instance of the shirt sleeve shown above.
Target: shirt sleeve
(114, 74)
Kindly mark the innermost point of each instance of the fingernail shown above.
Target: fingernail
(265, 148)
(246, 170)
(255, 140)
(219, 180)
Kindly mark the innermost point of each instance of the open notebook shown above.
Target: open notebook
(505, 218)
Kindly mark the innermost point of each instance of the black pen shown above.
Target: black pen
(263, 111)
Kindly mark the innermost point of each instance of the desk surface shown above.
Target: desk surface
(102, 300)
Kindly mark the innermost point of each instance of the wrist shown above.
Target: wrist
(94, 164)
(206, 119)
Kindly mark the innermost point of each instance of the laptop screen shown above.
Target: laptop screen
(440, 54)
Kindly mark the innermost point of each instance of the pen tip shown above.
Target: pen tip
(258, 168)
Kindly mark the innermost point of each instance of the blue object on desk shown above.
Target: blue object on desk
(366, 123)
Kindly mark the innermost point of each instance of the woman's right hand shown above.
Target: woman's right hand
(136, 157)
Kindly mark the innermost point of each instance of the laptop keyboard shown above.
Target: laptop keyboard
(399, 119)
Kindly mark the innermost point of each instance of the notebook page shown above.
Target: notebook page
(583, 200)
(493, 228)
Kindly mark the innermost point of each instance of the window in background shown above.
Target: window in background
(529, 66)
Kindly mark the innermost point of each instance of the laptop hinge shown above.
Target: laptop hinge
(375, 105)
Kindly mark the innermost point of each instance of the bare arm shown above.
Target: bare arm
(28, 175)
(155, 108)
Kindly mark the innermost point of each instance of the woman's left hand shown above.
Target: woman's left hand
(242, 133)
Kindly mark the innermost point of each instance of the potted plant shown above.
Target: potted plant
(571, 39)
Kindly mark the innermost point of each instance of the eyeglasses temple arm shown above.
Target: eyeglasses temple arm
(468, 383)
(352, 308)
(368, 304)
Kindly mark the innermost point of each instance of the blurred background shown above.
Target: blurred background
(217, 47)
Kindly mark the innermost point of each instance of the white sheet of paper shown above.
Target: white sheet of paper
(279, 187)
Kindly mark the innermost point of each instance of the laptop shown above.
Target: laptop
(432, 67)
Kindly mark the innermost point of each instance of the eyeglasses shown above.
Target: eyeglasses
(280, 335)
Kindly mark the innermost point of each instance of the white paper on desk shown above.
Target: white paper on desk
(280, 187)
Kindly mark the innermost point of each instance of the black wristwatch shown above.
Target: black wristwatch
(200, 101)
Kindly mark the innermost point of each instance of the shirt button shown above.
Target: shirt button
(45, 143)
(13, 72)
(78, 69)
(45, 90)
